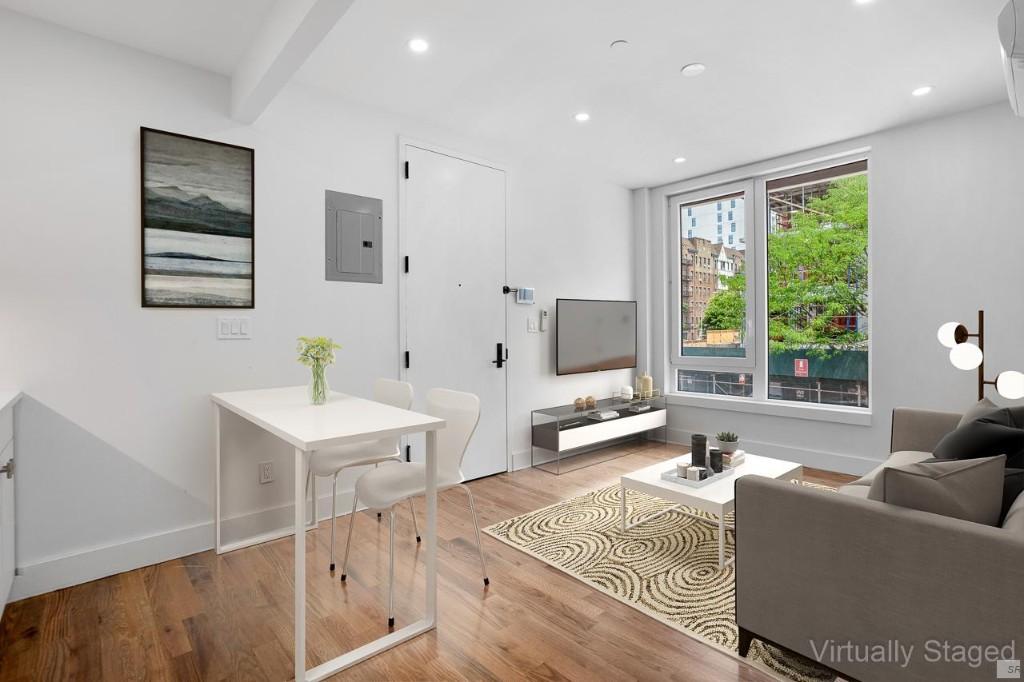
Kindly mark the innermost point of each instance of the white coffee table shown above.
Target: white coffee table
(715, 498)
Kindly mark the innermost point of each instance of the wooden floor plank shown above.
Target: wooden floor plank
(209, 617)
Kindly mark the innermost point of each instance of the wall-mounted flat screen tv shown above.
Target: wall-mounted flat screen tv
(593, 336)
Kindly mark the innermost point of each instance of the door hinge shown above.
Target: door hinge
(406, 170)
(407, 359)
(406, 260)
(408, 453)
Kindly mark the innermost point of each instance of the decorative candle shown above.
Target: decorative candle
(715, 460)
(698, 449)
(646, 386)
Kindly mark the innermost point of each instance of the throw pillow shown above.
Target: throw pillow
(1013, 486)
(971, 489)
(976, 410)
(994, 433)
(1014, 520)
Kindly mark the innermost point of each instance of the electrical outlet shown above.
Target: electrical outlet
(266, 472)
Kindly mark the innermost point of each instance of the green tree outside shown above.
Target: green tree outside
(817, 273)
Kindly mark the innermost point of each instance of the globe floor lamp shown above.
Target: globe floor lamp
(967, 356)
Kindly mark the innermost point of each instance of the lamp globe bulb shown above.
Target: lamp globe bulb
(1010, 385)
(966, 356)
(947, 334)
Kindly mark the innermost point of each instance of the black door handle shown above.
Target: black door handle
(501, 356)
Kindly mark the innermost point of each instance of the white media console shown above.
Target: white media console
(560, 432)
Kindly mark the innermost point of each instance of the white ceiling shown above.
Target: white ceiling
(782, 75)
(210, 34)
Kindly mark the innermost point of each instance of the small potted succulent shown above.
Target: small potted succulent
(727, 442)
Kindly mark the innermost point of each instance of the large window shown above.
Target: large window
(808, 289)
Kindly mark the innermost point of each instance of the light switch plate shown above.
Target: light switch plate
(531, 325)
(234, 328)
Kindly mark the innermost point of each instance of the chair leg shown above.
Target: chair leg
(391, 568)
(375, 465)
(334, 515)
(415, 525)
(476, 526)
(348, 542)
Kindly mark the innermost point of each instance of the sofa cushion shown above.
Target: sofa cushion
(852, 490)
(895, 459)
(971, 489)
(1014, 521)
(996, 433)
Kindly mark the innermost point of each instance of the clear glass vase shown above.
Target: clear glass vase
(318, 389)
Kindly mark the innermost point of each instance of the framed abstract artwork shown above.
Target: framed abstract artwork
(197, 222)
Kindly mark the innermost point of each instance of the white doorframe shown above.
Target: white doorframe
(404, 141)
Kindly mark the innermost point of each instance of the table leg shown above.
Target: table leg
(301, 464)
(216, 475)
(622, 506)
(431, 534)
(721, 542)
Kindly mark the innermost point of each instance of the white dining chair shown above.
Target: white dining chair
(332, 461)
(383, 488)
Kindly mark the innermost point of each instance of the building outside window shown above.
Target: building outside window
(705, 260)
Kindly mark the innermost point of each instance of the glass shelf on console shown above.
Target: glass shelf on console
(567, 414)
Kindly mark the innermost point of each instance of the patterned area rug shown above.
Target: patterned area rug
(666, 568)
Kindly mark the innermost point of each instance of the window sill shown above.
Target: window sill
(775, 408)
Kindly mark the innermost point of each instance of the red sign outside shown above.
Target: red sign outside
(800, 367)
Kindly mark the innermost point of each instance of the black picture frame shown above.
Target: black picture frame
(178, 204)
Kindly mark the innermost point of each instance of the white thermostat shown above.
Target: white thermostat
(524, 295)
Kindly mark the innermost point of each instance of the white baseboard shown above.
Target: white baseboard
(818, 459)
(520, 460)
(54, 573)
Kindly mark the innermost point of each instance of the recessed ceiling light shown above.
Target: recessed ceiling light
(694, 69)
(921, 91)
(863, 2)
(680, 159)
(619, 44)
(582, 117)
(419, 45)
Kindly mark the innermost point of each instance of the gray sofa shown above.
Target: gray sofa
(837, 577)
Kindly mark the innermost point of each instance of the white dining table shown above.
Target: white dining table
(288, 414)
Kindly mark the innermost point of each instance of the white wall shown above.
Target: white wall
(946, 240)
(116, 431)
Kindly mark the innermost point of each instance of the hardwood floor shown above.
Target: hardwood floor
(205, 617)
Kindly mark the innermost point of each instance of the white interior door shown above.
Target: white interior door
(6, 527)
(453, 233)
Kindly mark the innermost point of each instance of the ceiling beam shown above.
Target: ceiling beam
(288, 36)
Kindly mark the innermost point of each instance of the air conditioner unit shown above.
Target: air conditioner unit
(1011, 39)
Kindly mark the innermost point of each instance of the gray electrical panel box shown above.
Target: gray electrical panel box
(354, 231)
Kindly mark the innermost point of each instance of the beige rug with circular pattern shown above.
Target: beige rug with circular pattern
(666, 568)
